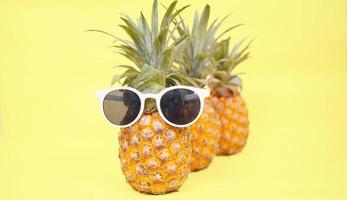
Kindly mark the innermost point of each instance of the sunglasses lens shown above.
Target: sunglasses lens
(121, 107)
(180, 106)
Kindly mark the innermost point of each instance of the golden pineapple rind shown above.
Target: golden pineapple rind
(155, 157)
(205, 134)
(235, 124)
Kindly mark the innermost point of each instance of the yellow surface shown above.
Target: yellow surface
(54, 144)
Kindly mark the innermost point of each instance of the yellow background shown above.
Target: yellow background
(54, 144)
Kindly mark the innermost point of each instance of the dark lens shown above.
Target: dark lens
(180, 106)
(121, 107)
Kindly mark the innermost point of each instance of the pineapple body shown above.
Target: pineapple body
(205, 134)
(155, 157)
(235, 124)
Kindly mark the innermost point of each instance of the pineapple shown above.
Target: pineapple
(196, 63)
(155, 157)
(226, 93)
(205, 137)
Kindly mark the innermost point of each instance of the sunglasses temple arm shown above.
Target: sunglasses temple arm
(206, 92)
(100, 95)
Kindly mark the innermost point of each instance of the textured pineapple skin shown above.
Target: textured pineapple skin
(235, 124)
(205, 134)
(155, 157)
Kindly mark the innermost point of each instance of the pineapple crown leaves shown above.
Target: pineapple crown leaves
(196, 59)
(151, 49)
(225, 62)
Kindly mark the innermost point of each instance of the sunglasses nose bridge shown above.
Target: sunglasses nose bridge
(150, 96)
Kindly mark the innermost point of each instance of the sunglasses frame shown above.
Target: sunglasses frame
(202, 93)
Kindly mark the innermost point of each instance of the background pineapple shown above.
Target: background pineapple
(155, 157)
(196, 63)
(226, 90)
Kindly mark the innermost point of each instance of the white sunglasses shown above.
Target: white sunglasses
(179, 106)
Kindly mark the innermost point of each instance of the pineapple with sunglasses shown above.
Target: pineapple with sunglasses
(152, 112)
